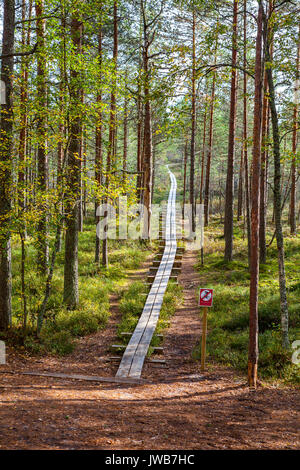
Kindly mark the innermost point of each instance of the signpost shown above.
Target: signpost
(205, 301)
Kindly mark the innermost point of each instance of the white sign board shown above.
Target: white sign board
(2, 92)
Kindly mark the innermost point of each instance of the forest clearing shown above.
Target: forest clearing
(149, 225)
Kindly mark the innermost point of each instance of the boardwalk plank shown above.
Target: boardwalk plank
(134, 356)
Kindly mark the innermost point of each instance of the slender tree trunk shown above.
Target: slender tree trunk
(255, 197)
(62, 117)
(185, 158)
(147, 163)
(81, 158)
(245, 135)
(262, 228)
(42, 235)
(111, 157)
(293, 223)
(209, 153)
(99, 126)
(203, 154)
(6, 129)
(80, 205)
(71, 291)
(125, 130)
(193, 130)
(23, 114)
(277, 191)
(240, 188)
(228, 220)
(139, 156)
(148, 150)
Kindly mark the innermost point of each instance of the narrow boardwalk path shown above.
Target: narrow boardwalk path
(134, 356)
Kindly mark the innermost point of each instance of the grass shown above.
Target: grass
(132, 304)
(228, 337)
(62, 327)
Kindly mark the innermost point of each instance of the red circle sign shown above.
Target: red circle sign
(206, 297)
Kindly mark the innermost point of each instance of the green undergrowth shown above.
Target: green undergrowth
(228, 337)
(62, 327)
(131, 306)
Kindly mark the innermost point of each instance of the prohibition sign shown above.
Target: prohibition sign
(206, 297)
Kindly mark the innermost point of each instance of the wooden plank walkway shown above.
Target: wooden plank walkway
(134, 356)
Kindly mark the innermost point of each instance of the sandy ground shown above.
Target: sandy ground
(178, 408)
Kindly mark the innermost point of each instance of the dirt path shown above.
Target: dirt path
(179, 408)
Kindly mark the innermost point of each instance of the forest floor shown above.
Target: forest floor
(177, 408)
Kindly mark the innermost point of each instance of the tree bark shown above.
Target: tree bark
(193, 129)
(262, 228)
(210, 146)
(228, 220)
(293, 223)
(99, 140)
(245, 135)
(71, 291)
(23, 115)
(111, 156)
(277, 188)
(42, 233)
(6, 130)
(255, 198)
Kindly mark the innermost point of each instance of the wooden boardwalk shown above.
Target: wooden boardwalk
(134, 356)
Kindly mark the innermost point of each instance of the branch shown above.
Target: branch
(216, 66)
(20, 54)
(128, 172)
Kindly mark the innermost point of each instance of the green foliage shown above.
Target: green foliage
(62, 327)
(228, 320)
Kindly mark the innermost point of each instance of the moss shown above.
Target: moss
(228, 337)
(61, 327)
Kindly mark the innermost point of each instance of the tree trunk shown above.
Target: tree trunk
(209, 153)
(98, 154)
(23, 115)
(185, 158)
(125, 130)
(71, 291)
(293, 223)
(6, 129)
(277, 192)
(262, 228)
(228, 220)
(111, 157)
(203, 154)
(193, 129)
(62, 118)
(148, 145)
(255, 198)
(42, 234)
(245, 135)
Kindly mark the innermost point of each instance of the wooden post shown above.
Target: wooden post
(204, 332)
